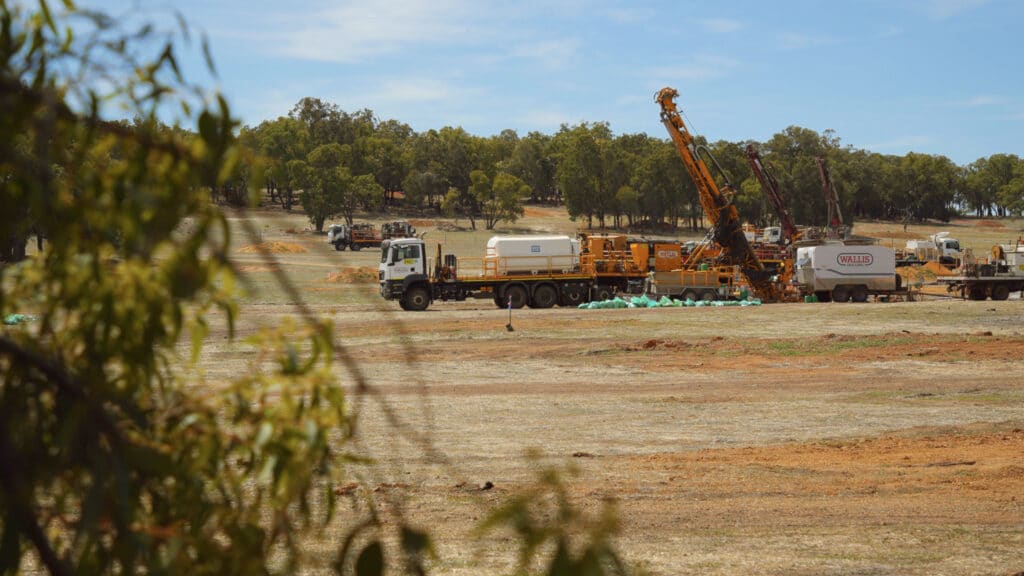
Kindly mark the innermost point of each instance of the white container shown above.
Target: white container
(829, 265)
(532, 254)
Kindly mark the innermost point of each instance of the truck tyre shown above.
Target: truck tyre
(573, 295)
(709, 296)
(602, 293)
(517, 294)
(841, 294)
(859, 294)
(416, 299)
(339, 246)
(356, 247)
(544, 296)
(977, 292)
(1000, 292)
(690, 295)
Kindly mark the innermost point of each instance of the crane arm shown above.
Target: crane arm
(770, 187)
(835, 216)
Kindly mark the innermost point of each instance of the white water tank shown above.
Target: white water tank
(533, 254)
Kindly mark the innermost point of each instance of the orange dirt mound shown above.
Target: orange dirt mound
(914, 274)
(938, 269)
(272, 248)
(423, 222)
(924, 273)
(360, 275)
(989, 224)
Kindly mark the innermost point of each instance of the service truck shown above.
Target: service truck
(364, 235)
(516, 271)
(847, 272)
(937, 248)
(996, 278)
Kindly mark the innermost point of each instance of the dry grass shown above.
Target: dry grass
(781, 439)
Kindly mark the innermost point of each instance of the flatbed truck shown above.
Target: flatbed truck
(996, 278)
(535, 281)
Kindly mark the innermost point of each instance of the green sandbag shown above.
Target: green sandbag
(665, 301)
(15, 319)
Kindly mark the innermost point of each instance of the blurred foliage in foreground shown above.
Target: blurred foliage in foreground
(112, 458)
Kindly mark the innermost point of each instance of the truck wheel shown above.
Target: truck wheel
(602, 293)
(709, 296)
(1000, 292)
(339, 246)
(977, 292)
(573, 295)
(859, 294)
(840, 294)
(689, 295)
(356, 247)
(544, 296)
(417, 299)
(517, 294)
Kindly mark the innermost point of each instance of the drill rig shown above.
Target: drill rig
(726, 229)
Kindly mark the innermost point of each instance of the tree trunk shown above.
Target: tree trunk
(12, 248)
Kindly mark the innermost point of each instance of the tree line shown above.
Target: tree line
(337, 163)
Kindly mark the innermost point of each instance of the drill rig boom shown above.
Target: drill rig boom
(726, 228)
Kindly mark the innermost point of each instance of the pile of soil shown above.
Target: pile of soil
(272, 248)
(352, 275)
(421, 223)
(923, 274)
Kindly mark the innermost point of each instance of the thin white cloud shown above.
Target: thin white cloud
(721, 25)
(979, 101)
(630, 15)
(355, 30)
(945, 9)
(551, 54)
(406, 90)
(891, 31)
(702, 67)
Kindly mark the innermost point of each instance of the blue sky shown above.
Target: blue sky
(932, 76)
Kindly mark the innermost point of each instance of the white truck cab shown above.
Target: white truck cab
(400, 258)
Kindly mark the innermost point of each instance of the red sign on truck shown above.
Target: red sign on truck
(854, 259)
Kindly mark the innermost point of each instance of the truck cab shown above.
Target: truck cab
(401, 257)
(403, 262)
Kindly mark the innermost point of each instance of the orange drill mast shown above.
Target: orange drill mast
(726, 228)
